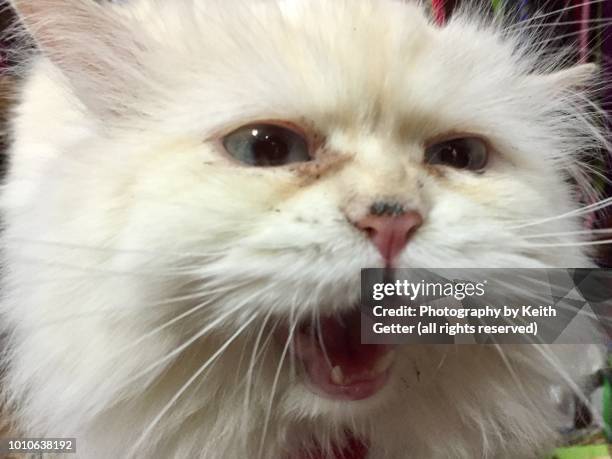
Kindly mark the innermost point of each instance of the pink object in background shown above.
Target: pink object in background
(439, 11)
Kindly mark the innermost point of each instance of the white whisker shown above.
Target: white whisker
(138, 443)
(273, 390)
(604, 203)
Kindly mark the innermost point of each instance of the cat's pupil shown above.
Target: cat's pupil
(469, 153)
(269, 149)
(455, 156)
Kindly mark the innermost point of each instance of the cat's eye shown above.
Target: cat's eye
(267, 145)
(469, 153)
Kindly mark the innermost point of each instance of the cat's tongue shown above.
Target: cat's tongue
(337, 364)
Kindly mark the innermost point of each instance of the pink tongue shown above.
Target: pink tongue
(337, 345)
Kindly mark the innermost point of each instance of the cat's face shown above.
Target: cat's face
(348, 109)
(365, 110)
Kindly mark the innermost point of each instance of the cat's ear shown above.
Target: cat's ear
(89, 42)
(573, 77)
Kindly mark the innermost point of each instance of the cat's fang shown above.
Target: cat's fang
(381, 366)
(336, 375)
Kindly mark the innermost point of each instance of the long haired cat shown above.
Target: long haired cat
(194, 186)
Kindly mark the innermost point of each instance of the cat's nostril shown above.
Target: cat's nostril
(390, 233)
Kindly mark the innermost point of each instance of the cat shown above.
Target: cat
(194, 187)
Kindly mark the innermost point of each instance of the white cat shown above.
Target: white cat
(194, 184)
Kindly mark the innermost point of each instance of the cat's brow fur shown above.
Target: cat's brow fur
(122, 212)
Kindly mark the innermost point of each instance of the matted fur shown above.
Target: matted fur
(136, 251)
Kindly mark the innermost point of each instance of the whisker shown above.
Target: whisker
(172, 301)
(111, 250)
(570, 233)
(564, 23)
(556, 365)
(274, 386)
(572, 34)
(90, 270)
(556, 12)
(576, 212)
(321, 340)
(566, 244)
(185, 386)
(164, 326)
(249, 376)
(210, 326)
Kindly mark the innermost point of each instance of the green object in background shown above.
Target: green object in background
(607, 405)
(497, 5)
(583, 452)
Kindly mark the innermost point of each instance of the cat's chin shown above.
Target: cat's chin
(333, 361)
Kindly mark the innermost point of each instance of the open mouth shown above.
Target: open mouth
(336, 364)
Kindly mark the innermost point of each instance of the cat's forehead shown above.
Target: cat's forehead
(326, 58)
(296, 8)
(257, 20)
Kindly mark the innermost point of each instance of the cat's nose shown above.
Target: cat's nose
(390, 231)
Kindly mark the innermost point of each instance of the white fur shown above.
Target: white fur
(122, 213)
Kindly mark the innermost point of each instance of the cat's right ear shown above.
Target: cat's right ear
(90, 43)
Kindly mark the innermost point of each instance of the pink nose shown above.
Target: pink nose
(390, 233)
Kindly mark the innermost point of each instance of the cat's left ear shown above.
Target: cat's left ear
(574, 77)
(90, 43)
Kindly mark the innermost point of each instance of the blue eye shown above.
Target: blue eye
(470, 153)
(267, 145)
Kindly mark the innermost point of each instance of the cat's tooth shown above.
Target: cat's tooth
(384, 362)
(337, 376)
